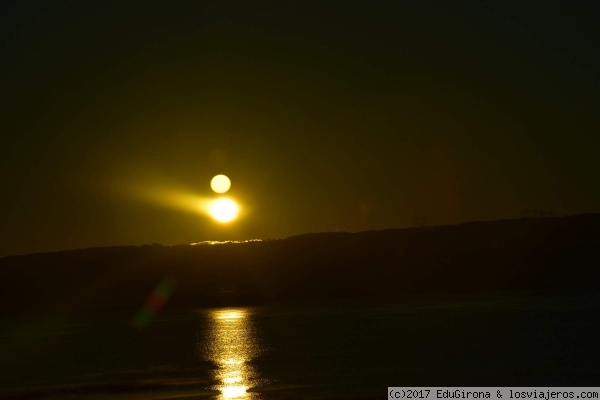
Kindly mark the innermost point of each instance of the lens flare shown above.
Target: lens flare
(154, 303)
(223, 210)
(220, 184)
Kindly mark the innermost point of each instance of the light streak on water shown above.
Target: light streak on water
(231, 345)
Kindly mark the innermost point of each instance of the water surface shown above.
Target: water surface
(340, 350)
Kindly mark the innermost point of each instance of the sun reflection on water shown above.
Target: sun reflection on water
(231, 346)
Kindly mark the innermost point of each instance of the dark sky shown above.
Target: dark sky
(328, 115)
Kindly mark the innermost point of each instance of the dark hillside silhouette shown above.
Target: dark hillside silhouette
(530, 254)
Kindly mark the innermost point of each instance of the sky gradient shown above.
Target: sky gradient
(343, 116)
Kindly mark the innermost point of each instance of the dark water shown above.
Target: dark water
(343, 350)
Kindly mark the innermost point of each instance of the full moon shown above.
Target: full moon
(220, 184)
(223, 210)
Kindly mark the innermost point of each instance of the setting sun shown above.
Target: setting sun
(220, 184)
(223, 210)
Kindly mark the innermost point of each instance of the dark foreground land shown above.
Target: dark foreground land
(319, 316)
(521, 254)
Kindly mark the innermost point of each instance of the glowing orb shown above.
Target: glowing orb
(223, 210)
(220, 184)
